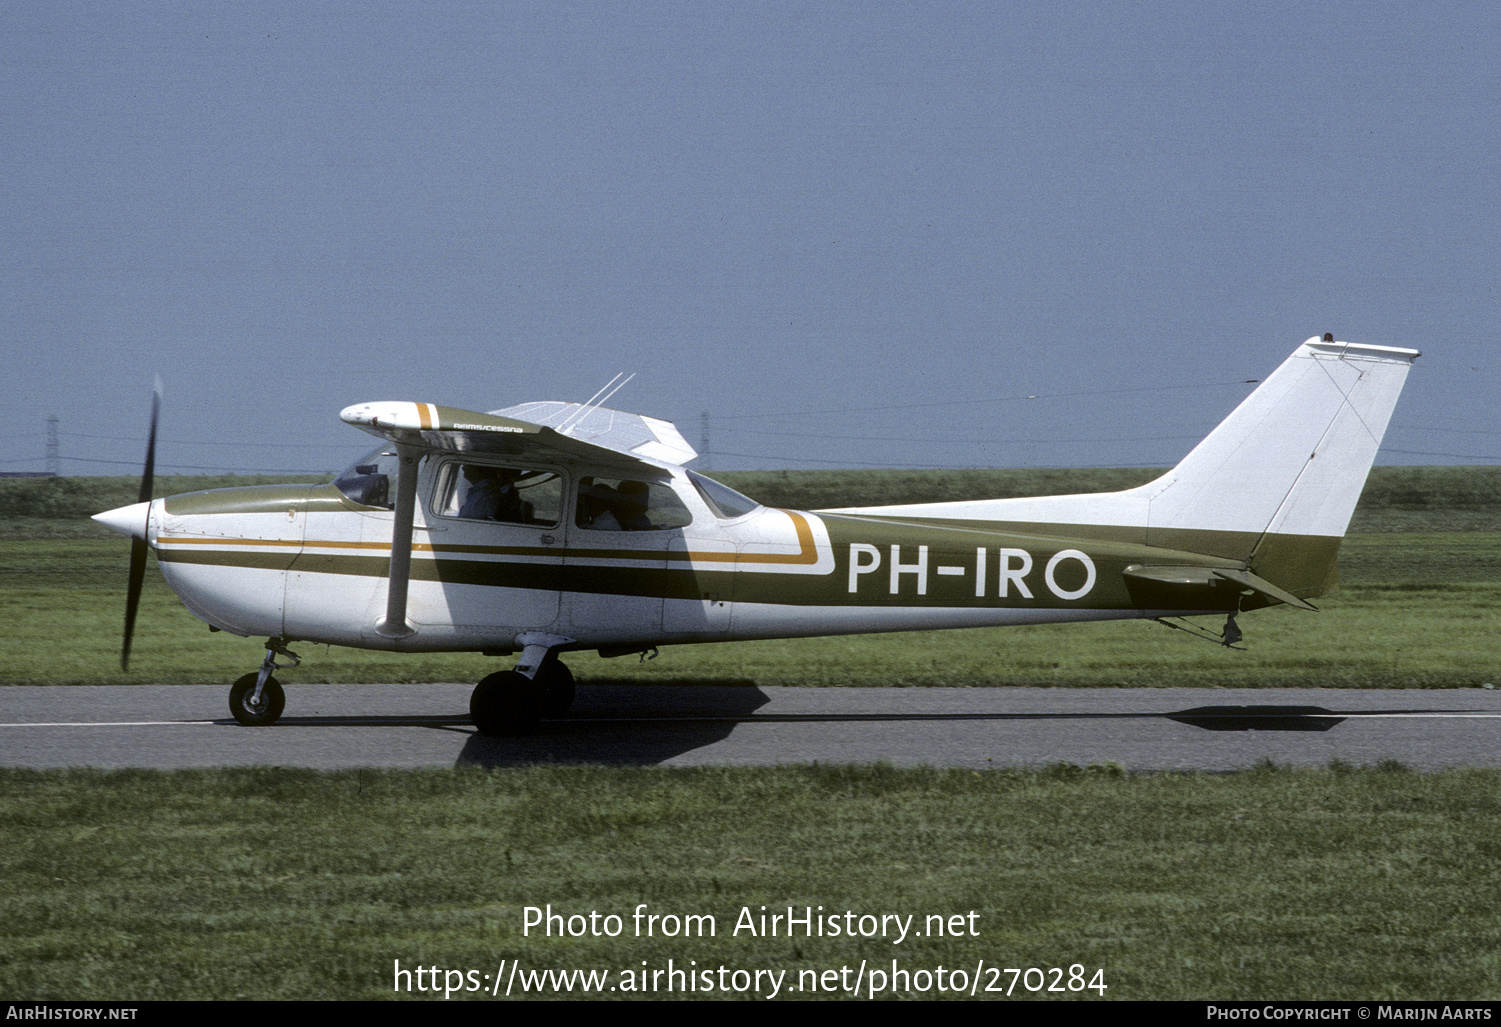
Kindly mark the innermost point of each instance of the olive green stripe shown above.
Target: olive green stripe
(679, 583)
(255, 559)
(261, 499)
(1302, 565)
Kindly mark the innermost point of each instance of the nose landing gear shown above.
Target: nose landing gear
(256, 700)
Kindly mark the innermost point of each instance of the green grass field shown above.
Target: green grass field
(1271, 883)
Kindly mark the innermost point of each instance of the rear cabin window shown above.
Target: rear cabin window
(616, 504)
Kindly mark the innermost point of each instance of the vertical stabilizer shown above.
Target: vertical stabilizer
(1293, 457)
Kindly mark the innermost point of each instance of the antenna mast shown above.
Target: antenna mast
(54, 463)
(596, 400)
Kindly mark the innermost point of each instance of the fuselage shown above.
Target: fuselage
(701, 564)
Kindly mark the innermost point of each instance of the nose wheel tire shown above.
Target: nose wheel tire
(259, 714)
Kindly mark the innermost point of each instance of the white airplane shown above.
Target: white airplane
(551, 527)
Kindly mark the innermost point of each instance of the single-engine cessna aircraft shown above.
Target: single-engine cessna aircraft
(552, 527)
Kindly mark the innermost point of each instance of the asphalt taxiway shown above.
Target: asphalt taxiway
(388, 725)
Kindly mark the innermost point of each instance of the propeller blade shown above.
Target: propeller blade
(138, 546)
(138, 549)
(149, 474)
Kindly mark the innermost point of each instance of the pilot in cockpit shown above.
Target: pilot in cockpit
(492, 494)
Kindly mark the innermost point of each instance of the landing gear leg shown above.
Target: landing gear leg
(511, 702)
(256, 699)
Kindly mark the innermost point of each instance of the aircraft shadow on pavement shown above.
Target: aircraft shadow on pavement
(636, 726)
(1259, 718)
(644, 725)
(1288, 718)
(624, 725)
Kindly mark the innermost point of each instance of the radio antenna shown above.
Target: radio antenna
(595, 401)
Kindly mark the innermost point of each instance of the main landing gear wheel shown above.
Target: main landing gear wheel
(506, 703)
(557, 688)
(256, 714)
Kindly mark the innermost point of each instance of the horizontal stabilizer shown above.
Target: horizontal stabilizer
(1263, 587)
(1199, 578)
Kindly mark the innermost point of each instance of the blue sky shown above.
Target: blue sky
(852, 235)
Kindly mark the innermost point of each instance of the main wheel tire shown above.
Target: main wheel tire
(273, 700)
(557, 688)
(506, 703)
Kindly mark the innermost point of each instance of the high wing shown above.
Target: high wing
(569, 433)
(555, 431)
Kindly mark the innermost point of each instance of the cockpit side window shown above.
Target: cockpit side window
(371, 480)
(614, 504)
(513, 495)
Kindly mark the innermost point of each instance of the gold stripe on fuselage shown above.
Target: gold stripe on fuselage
(807, 554)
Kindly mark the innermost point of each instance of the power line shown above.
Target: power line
(837, 463)
(977, 441)
(1456, 456)
(1453, 431)
(993, 399)
(233, 445)
(192, 467)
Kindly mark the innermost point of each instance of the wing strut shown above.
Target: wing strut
(394, 624)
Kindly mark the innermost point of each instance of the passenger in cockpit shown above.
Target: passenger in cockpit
(597, 505)
(492, 494)
(630, 509)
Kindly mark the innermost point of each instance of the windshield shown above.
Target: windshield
(368, 480)
(723, 500)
